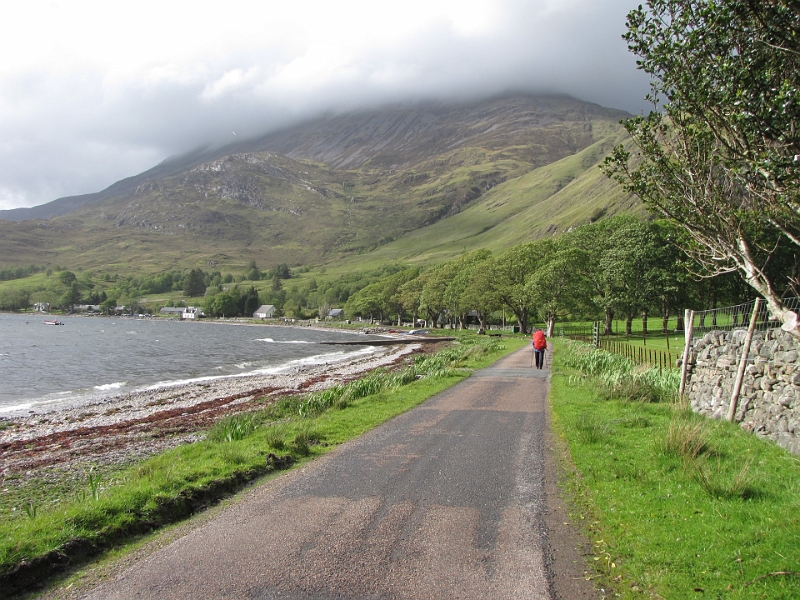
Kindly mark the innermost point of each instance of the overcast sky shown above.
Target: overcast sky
(91, 92)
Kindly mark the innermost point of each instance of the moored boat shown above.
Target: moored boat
(53, 322)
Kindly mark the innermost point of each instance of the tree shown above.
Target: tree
(512, 268)
(367, 301)
(67, 277)
(72, 297)
(250, 302)
(464, 268)
(411, 297)
(391, 296)
(721, 156)
(434, 284)
(557, 288)
(251, 271)
(630, 265)
(596, 239)
(480, 292)
(195, 284)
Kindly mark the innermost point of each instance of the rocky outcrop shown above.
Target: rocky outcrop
(769, 401)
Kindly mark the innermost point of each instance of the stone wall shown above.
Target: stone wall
(769, 402)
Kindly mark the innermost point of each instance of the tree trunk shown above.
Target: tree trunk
(628, 324)
(522, 319)
(609, 322)
(551, 326)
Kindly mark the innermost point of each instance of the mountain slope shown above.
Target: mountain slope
(427, 176)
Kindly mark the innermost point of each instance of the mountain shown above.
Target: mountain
(397, 181)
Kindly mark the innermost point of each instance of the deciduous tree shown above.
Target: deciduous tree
(720, 154)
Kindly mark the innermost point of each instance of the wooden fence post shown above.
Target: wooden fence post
(737, 386)
(688, 329)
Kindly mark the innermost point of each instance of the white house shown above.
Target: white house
(191, 312)
(265, 311)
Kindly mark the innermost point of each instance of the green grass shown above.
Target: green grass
(118, 505)
(676, 506)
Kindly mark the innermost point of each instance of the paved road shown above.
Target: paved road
(445, 501)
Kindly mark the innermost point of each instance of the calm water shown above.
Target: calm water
(91, 356)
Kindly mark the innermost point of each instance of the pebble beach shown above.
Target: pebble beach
(127, 427)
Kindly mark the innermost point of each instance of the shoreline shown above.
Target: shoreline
(122, 428)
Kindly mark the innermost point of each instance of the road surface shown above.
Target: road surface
(449, 500)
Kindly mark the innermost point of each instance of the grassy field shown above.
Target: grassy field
(675, 505)
(49, 522)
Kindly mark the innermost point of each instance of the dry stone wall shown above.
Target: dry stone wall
(769, 402)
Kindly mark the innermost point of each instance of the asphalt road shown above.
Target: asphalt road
(450, 500)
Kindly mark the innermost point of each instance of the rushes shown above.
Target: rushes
(723, 485)
(234, 428)
(619, 377)
(684, 439)
(590, 431)
(441, 364)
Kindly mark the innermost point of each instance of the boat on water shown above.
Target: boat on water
(53, 322)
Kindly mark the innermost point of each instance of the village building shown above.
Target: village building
(191, 313)
(265, 311)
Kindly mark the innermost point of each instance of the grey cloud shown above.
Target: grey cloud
(79, 134)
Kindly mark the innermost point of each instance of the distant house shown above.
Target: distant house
(42, 307)
(86, 308)
(169, 310)
(336, 313)
(265, 311)
(191, 312)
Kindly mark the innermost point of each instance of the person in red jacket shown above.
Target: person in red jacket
(539, 342)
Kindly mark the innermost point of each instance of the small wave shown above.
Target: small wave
(271, 341)
(243, 365)
(110, 386)
(16, 407)
(319, 359)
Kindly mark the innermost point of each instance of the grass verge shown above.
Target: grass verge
(676, 506)
(169, 487)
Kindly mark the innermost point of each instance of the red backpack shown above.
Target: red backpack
(539, 341)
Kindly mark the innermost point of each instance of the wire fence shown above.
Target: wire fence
(718, 319)
(733, 317)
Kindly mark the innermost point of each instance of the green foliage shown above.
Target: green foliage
(195, 285)
(234, 428)
(718, 157)
(19, 272)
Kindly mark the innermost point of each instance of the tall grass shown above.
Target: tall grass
(618, 376)
(442, 364)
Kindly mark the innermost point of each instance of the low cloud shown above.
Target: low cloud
(103, 91)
